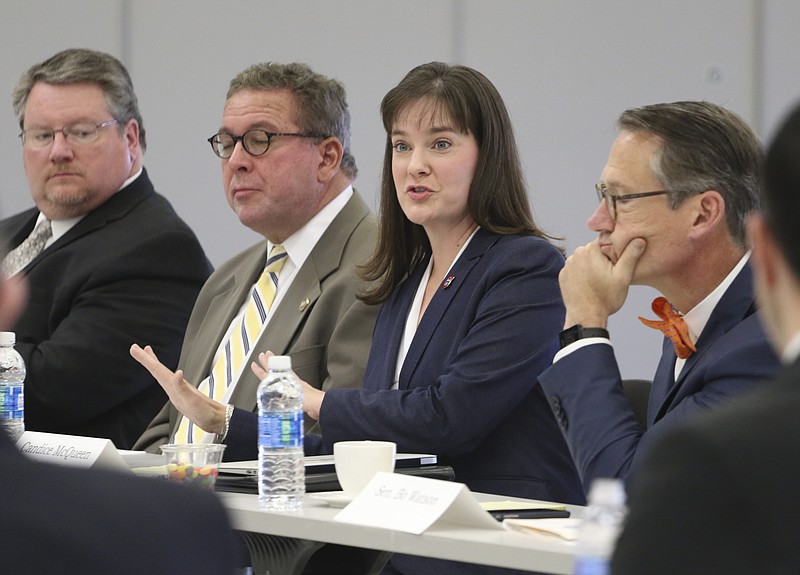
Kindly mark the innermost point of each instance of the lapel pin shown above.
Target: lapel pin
(304, 304)
(448, 281)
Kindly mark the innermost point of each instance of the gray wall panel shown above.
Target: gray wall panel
(565, 69)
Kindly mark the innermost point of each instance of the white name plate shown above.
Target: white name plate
(72, 450)
(412, 504)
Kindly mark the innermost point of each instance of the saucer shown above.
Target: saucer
(332, 498)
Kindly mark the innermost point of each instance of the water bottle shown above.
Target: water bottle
(281, 469)
(12, 379)
(602, 522)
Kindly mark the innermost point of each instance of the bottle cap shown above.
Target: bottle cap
(280, 362)
(607, 492)
(8, 338)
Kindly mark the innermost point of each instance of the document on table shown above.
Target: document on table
(566, 529)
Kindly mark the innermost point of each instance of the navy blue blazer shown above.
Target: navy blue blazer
(585, 389)
(129, 271)
(468, 389)
(718, 495)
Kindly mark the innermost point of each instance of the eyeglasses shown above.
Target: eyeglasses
(612, 199)
(80, 134)
(255, 142)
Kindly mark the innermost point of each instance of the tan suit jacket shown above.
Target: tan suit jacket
(319, 322)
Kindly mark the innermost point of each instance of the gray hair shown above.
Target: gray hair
(321, 101)
(704, 147)
(80, 66)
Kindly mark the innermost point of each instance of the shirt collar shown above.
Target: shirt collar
(792, 350)
(697, 317)
(61, 227)
(129, 180)
(298, 246)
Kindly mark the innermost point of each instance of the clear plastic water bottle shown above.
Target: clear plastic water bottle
(281, 469)
(602, 522)
(12, 379)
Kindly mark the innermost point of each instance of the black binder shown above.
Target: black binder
(326, 481)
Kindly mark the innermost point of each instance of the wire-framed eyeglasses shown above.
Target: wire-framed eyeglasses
(611, 199)
(82, 133)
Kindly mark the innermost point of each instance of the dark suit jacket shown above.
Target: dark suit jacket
(468, 389)
(720, 495)
(127, 272)
(319, 323)
(585, 390)
(75, 521)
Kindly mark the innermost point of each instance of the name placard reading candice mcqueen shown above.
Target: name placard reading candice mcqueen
(72, 450)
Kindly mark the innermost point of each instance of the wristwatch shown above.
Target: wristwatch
(577, 331)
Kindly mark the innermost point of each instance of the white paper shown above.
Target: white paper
(564, 528)
(412, 504)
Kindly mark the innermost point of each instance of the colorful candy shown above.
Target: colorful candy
(203, 476)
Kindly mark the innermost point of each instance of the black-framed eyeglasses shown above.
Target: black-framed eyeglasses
(82, 133)
(611, 199)
(255, 142)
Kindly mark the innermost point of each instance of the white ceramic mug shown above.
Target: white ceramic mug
(358, 461)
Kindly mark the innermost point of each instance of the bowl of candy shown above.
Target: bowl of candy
(193, 463)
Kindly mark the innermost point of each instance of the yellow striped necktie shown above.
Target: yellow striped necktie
(243, 336)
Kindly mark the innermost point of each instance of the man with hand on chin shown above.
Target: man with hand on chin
(714, 496)
(674, 195)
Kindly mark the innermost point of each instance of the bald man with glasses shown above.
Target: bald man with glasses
(673, 198)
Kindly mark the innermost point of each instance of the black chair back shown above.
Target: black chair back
(638, 393)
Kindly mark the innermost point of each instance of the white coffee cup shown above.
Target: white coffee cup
(357, 462)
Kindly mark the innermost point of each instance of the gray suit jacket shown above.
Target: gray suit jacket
(319, 322)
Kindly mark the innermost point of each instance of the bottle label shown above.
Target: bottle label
(280, 430)
(591, 566)
(12, 401)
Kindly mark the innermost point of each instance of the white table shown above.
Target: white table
(473, 545)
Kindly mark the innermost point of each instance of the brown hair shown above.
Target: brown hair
(498, 198)
(321, 101)
(79, 66)
(705, 147)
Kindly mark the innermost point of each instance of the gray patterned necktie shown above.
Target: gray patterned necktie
(24, 253)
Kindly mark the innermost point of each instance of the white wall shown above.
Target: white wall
(566, 70)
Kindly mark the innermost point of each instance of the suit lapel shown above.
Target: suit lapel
(299, 300)
(224, 306)
(457, 278)
(115, 208)
(737, 303)
(389, 329)
(281, 330)
(663, 381)
(18, 227)
(324, 259)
